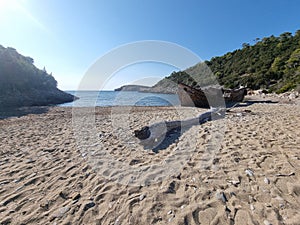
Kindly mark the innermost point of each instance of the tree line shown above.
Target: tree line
(272, 63)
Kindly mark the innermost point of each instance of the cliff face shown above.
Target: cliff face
(22, 84)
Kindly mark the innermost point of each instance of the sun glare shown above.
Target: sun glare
(17, 8)
(7, 4)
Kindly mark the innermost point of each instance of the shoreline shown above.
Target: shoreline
(249, 99)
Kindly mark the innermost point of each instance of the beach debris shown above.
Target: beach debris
(11, 199)
(63, 195)
(178, 176)
(171, 218)
(172, 215)
(110, 204)
(117, 221)
(234, 181)
(285, 175)
(249, 172)
(19, 188)
(292, 96)
(228, 212)
(19, 179)
(251, 199)
(30, 161)
(88, 206)
(236, 159)
(252, 207)
(49, 150)
(4, 182)
(269, 205)
(266, 222)
(142, 196)
(45, 205)
(60, 213)
(143, 133)
(221, 196)
(134, 162)
(155, 133)
(75, 196)
(266, 180)
(171, 188)
(63, 210)
(156, 219)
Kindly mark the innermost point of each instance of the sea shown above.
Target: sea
(121, 98)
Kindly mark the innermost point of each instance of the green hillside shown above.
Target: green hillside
(271, 63)
(22, 84)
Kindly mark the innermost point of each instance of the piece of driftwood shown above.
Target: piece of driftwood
(158, 131)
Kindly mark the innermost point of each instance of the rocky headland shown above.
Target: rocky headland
(23, 84)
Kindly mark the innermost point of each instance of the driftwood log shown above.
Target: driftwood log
(157, 131)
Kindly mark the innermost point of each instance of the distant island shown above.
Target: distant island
(271, 63)
(22, 84)
(131, 87)
(142, 88)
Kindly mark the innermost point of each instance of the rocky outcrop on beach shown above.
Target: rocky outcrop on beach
(22, 84)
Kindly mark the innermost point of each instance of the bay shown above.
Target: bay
(121, 98)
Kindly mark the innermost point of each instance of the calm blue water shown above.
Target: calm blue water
(121, 98)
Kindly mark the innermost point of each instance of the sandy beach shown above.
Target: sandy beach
(242, 169)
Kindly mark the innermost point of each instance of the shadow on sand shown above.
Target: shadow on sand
(251, 102)
(23, 111)
(170, 138)
(174, 135)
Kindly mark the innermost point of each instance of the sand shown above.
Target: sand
(59, 168)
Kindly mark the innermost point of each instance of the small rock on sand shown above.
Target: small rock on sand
(266, 180)
(221, 196)
(249, 172)
(266, 222)
(88, 206)
(60, 213)
(142, 196)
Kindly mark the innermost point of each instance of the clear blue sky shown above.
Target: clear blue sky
(67, 36)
